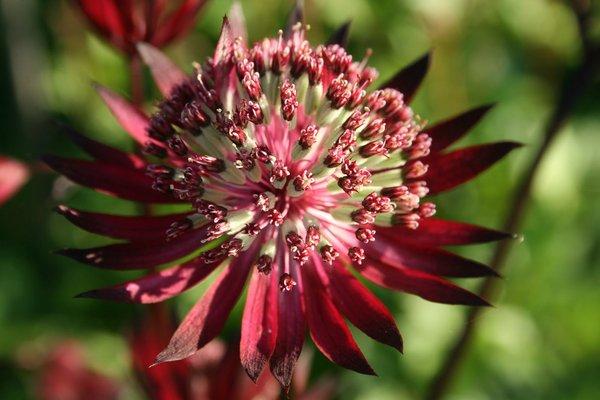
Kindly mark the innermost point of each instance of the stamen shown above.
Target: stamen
(356, 254)
(264, 264)
(289, 101)
(286, 283)
(329, 254)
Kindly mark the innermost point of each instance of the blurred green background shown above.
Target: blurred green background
(542, 339)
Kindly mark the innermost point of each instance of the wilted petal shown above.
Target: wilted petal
(408, 80)
(447, 171)
(446, 132)
(362, 308)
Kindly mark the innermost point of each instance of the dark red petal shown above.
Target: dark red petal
(166, 74)
(131, 118)
(426, 259)
(110, 179)
(327, 327)
(178, 22)
(291, 328)
(295, 16)
(120, 226)
(444, 133)
(106, 17)
(259, 324)
(139, 255)
(340, 36)
(206, 319)
(104, 153)
(438, 232)
(13, 175)
(408, 80)
(158, 286)
(449, 170)
(362, 308)
(427, 286)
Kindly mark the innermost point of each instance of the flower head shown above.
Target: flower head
(124, 23)
(291, 171)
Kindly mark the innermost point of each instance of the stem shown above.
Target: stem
(137, 80)
(574, 86)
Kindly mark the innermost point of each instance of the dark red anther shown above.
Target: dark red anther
(329, 254)
(289, 101)
(245, 159)
(153, 149)
(252, 229)
(263, 154)
(410, 221)
(286, 282)
(163, 185)
(243, 67)
(236, 135)
(336, 58)
(415, 170)
(339, 92)
(394, 192)
(275, 218)
(308, 136)
(407, 202)
(208, 163)
(346, 140)
(303, 181)
(374, 128)
(356, 254)
(177, 228)
(376, 100)
(297, 247)
(365, 235)
(279, 172)
(427, 210)
(313, 236)
(301, 59)
(356, 120)
(335, 156)
(362, 216)
(249, 111)
(419, 188)
(264, 264)
(315, 70)
(159, 171)
(251, 83)
(420, 147)
(216, 230)
(193, 118)
(262, 201)
(373, 148)
(211, 211)
(160, 128)
(377, 204)
(177, 145)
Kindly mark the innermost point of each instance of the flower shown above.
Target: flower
(13, 175)
(123, 23)
(291, 173)
(212, 373)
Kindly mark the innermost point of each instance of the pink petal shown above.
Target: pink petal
(104, 153)
(238, 21)
(327, 327)
(259, 324)
(427, 286)
(158, 286)
(447, 171)
(226, 39)
(445, 133)
(206, 319)
(426, 259)
(438, 232)
(13, 175)
(362, 308)
(132, 119)
(166, 74)
(114, 180)
(133, 228)
(290, 334)
(139, 255)
(182, 19)
(408, 80)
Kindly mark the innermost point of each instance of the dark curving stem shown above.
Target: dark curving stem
(574, 86)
